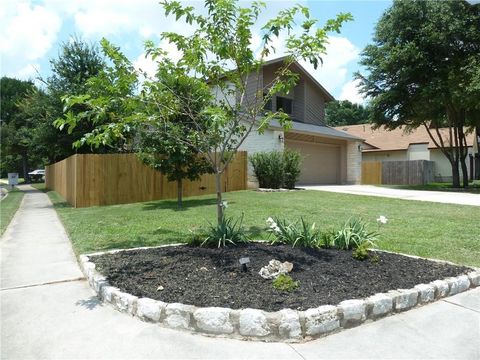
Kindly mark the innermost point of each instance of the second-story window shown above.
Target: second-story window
(285, 104)
(268, 104)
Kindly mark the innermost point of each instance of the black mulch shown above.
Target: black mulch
(213, 277)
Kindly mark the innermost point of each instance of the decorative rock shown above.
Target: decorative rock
(214, 320)
(149, 309)
(458, 284)
(354, 311)
(125, 302)
(107, 293)
(404, 299)
(87, 268)
(441, 288)
(178, 316)
(84, 259)
(427, 293)
(253, 322)
(275, 268)
(321, 320)
(381, 304)
(289, 327)
(474, 278)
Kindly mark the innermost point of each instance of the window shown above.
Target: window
(268, 104)
(284, 104)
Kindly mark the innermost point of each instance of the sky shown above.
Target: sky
(32, 32)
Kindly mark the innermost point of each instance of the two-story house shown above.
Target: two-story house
(329, 156)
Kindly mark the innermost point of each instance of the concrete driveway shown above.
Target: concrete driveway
(48, 311)
(446, 197)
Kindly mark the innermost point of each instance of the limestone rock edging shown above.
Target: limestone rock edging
(284, 325)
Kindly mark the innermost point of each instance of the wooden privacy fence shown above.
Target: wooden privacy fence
(410, 172)
(106, 179)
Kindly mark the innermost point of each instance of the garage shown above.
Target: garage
(321, 162)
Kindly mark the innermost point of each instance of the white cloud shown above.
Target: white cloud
(28, 32)
(350, 91)
(94, 18)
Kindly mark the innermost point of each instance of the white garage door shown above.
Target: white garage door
(321, 163)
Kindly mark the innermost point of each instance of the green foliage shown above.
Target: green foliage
(222, 38)
(344, 112)
(268, 168)
(353, 234)
(297, 233)
(423, 72)
(275, 169)
(285, 282)
(229, 230)
(361, 252)
(292, 162)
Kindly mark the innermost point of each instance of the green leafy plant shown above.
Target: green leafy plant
(268, 168)
(353, 234)
(361, 252)
(302, 234)
(327, 239)
(292, 162)
(229, 230)
(285, 283)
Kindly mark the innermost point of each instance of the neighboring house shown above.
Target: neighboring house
(329, 156)
(384, 145)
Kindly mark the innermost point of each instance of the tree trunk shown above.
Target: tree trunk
(455, 174)
(26, 177)
(218, 188)
(179, 193)
(464, 172)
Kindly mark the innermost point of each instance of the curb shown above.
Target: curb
(286, 325)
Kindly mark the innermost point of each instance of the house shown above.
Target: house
(385, 145)
(329, 156)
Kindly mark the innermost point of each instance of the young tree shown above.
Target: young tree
(344, 112)
(219, 55)
(159, 147)
(423, 71)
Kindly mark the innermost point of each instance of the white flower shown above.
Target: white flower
(276, 229)
(224, 204)
(270, 221)
(382, 219)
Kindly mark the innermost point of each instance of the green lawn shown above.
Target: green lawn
(434, 230)
(8, 208)
(474, 187)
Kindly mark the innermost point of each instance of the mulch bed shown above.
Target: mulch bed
(213, 277)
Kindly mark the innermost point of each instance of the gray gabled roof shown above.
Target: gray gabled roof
(305, 72)
(311, 129)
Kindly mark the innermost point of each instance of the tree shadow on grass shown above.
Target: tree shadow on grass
(172, 204)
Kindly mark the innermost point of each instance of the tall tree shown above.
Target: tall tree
(423, 71)
(218, 55)
(344, 112)
(16, 129)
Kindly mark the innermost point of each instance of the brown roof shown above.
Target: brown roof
(385, 140)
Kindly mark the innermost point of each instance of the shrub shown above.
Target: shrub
(268, 169)
(285, 283)
(302, 234)
(361, 252)
(353, 234)
(292, 162)
(228, 231)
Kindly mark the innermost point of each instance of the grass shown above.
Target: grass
(474, 187)
(442, 231)
(8, 207)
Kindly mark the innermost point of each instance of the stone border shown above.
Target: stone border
(270, 190)
(285, 325)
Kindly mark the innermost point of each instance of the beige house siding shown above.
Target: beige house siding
(314, 104)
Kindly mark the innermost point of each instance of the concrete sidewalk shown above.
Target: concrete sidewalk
(46, 312)
(446, 197)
